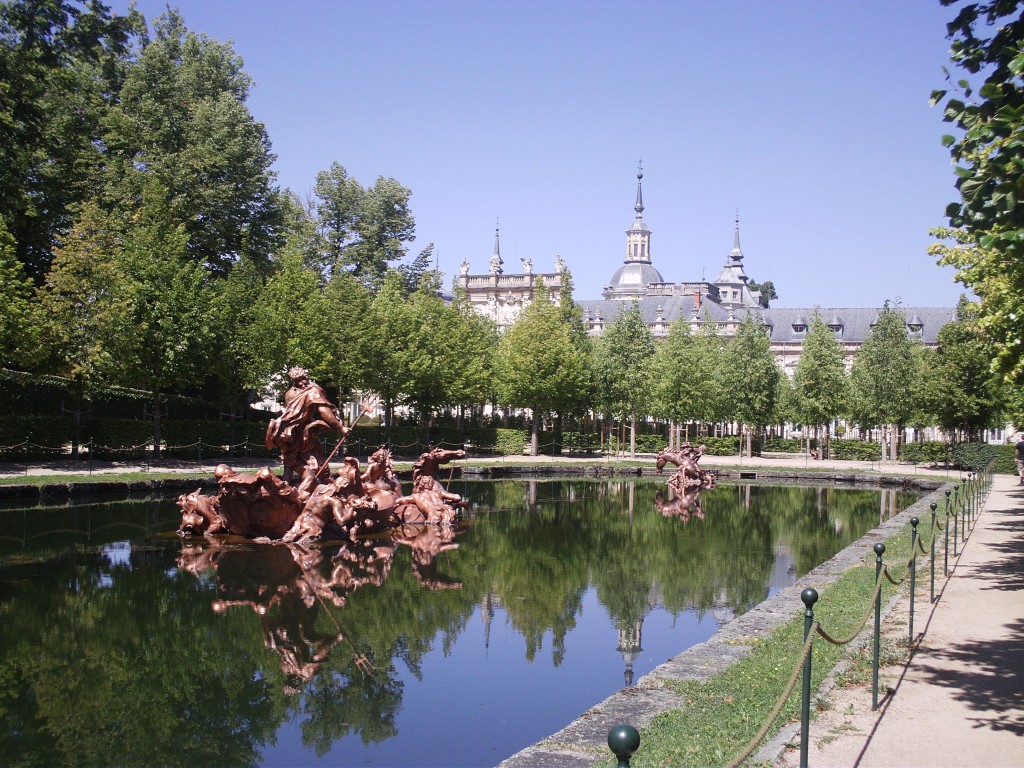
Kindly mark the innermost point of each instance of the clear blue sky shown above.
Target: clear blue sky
(809, 118)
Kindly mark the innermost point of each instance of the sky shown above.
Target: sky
(809, 120)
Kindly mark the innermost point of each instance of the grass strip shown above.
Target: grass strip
(722, 714)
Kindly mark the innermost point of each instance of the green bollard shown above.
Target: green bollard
(810, 597)
(933, 507)
(913, 573)
(879, 551)
(623, 741)
(945, 549)
(956, 516)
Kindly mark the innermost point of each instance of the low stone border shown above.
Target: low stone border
(584, 741)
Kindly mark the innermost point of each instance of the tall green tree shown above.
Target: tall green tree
(389, 344)
(687, 373)
(820, 377)
(985, 241)
(539, 366)
(17, 330)
(963, 392)
(61, 66)
(168, 337)
(885, 378)
(338, 202)
(82, 309)
(752, 376)
(181, 121)
(385, 227)
(624, 366)
(473, 354)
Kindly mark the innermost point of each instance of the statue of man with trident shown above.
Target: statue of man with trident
(296, 432)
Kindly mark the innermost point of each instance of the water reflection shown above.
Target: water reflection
(246, 654)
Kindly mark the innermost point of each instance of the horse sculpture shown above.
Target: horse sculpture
(687, 474)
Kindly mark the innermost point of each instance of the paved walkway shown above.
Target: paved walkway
(959, 701)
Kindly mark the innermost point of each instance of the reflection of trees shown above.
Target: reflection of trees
(128, 664)
(96, 654)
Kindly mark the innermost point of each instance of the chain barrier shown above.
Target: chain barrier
(779, 704)
(853, 635)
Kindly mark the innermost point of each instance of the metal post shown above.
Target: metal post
(200, 452)
(90, 455)
(879, 551)
(970, 498)
(623, 741)
(933, 506)
(945, 548)
(913, 573)
(810, 597)
(955, 516)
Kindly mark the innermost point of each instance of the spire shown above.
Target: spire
(496, 261)
(736, 254)
(639, 207)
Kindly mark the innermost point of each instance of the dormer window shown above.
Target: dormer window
(800, 324)
(915, 326)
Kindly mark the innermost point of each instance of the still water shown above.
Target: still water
(121, 644)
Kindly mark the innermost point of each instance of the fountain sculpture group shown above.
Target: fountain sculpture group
(687, 482)
(305, 503)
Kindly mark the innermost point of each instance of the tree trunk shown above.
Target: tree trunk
(535, 434)
(157, 422)
(557, 451)
(76, 435)
(632, 435)
(388, 415)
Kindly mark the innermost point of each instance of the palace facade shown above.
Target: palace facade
(725, 301)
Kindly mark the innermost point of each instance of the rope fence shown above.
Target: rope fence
(976, 488)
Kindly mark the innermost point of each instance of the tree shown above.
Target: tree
(885, 378)
(986, 239)
(61, 65)
(539, 367)
(181, 121)
(81, 307)
(767, 289)
(385, 226)
(235, 312)
(751, 375)
(820, 377)
(167, 339)
(625, 360)
(389, 344)
(473, 349)
(962, 390)
(16, 328)
(338, 203)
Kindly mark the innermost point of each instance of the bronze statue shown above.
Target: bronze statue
(429, 502)
(200, 515)
(305, 504)
(688, 473)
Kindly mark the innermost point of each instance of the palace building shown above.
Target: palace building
(724, 301)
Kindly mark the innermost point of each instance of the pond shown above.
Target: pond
(121, 644)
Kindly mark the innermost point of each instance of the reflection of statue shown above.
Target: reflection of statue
(296, 432)
(683, 506)
(426, 543)
(287, 586)
(688, 473)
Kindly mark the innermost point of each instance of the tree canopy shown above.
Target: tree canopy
(985, 238)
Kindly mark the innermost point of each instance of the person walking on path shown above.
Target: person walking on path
(959, 701)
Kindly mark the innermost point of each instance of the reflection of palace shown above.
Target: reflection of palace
(724, 301)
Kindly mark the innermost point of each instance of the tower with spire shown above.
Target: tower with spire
(632, 279)
(732, 281)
